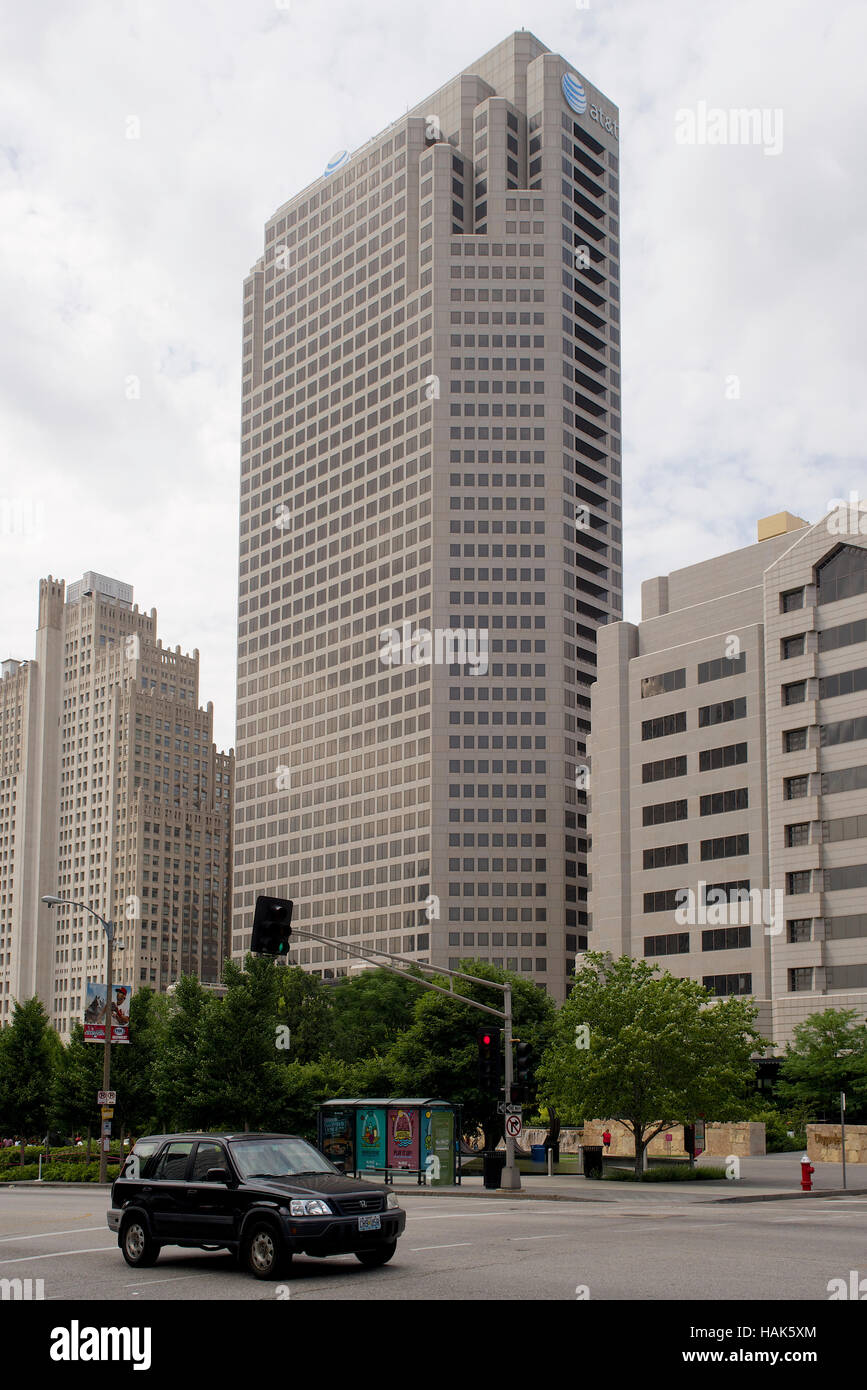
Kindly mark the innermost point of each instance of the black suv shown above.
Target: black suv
(264, 1197)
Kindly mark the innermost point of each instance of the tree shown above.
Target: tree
(132, 1063)
(236, 1079)
(28, 1054)
(657, 1052)
(827, 1055)
(437, 1056)
(304, 1006)
(174, 1069)
(369, 1012)
(76, 1080)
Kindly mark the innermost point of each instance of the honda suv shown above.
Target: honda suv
(264, 1197)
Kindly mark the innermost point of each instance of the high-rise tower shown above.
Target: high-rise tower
(431, 445)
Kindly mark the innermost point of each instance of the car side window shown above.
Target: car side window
(172, 1166)
(207, 1156)
(136, 1162)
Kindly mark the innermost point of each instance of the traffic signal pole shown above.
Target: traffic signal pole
(511, 1178)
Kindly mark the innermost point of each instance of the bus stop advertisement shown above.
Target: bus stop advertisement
(378, 1135)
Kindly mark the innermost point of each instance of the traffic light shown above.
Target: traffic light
(522, 1064)
(272, 926)
(489, 1059)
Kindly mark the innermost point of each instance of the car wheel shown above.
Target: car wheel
(265, 1254)
(378, 1255)
(136, 1245)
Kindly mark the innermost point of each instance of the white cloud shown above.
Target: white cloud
(125, 258)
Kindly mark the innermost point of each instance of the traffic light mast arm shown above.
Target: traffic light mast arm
(425, 984)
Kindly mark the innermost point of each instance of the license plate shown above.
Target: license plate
(369, 1223)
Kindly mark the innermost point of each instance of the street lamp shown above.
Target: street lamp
(54, 900)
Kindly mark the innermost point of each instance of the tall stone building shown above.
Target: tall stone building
(112, 793)
(729, 773)
(430, 525)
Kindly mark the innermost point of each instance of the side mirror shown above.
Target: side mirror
(217, 1175)
(340, 1164)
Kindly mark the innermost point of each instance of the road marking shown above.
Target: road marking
(415, 1249)
(175, 1279)
(45, 1234)
(59, 1255)
(560, 1235)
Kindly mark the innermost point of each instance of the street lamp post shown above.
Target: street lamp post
(53, 900)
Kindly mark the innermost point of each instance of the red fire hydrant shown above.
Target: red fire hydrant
(806, 1169)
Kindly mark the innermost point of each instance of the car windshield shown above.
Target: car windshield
(278, 1158)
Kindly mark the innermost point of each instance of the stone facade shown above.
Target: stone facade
(743, 1138)
(823, 1144)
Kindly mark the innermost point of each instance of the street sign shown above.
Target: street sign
(508, 1108)
(106, 1097)
(514, 1126)
(107, 1112)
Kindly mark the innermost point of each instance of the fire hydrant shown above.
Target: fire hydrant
(806, 1169)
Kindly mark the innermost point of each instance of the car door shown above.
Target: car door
(169, 1203)
(211, 1204)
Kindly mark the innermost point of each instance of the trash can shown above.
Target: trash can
(493, 1163)
(538, 1153)
(592, 1160)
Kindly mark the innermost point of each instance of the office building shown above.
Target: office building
(727, 759)
(112, 793)
(430, 525)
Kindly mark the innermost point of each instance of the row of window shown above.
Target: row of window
(714, 939)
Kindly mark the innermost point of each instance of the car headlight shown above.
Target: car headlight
(309, 1207)
(391, 1200)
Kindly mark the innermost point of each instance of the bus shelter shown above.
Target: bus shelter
(393, 1134)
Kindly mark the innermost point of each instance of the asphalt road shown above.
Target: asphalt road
(474, 1248)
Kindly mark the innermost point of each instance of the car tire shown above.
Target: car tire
(265, 1255)
(139, 1251)
(377, 1255)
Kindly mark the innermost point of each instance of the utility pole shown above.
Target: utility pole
(843, 1132)
(511, 1178)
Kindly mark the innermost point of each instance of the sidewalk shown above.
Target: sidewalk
(767, 1178)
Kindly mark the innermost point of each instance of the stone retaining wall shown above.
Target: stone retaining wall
(823, 1144)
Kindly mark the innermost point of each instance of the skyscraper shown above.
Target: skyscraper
(430, 525)
(111, 793)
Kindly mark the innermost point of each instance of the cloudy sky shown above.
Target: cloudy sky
(144, 142)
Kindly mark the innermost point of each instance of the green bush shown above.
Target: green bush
(668, 1173)
(53, 1172)
(777, 1125)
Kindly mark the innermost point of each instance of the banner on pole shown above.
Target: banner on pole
(94, 1013)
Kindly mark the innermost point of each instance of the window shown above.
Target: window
(843, 928)
(722, 713)
(798, 834)
(845, 779)
(207, 1156)
(663, 726)
(846, 828)
(792, 599)
(664, 768)
(725, 847)
(794, 740)
(718, 803)
(846, 977)
(848, 877)
(730, 755)
(662, 812)
(800, 979)
(664, 901)
(666, 855)
(846, 635)
(795, 787)
(843, 683)
(675, 944)
(172, 1165)
(721, 667)
(661, 684)
(795, 694)
(792, 646)
(725, 938)
(798, 882)
(843, 575)
(800, 929)
(844, 731)
(721, 985)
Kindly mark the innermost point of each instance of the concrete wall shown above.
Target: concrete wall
(743, 1138)
(823, 1144)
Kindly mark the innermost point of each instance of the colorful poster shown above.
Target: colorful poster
(370, 1131)
(442, 1132)
(337, 1137)
(403, 1138)
(94, 1012)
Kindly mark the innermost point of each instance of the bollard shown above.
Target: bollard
(806, 1169)
(550, 1163)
